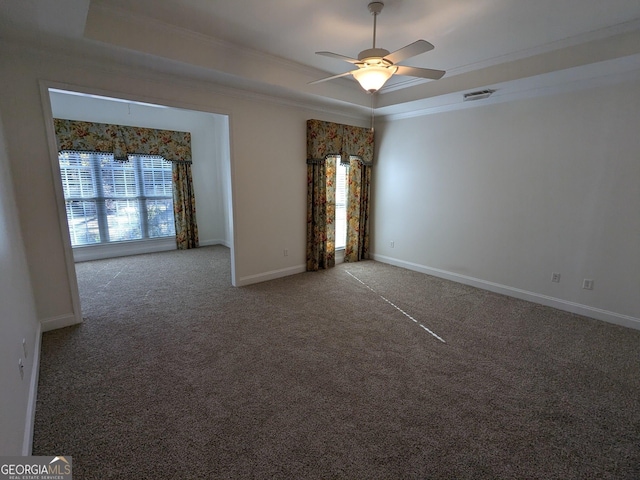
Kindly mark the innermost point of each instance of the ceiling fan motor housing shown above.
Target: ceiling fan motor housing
(375, 54)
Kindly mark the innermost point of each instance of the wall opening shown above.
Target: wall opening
(211, 167)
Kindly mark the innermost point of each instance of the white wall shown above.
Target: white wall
(209, 148)
(268, 170)
(18, 321)
(501, 196)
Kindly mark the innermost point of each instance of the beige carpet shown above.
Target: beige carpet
(334, 374)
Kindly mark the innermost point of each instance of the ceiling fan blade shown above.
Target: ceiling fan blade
(411, 50)
(330, 78)
(420, 72)
(339, 57)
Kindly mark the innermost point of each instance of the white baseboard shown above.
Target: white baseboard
(208, 243)
(60, 321)
(30, 418)
(560, 304)
(123, 249)
(272, 275)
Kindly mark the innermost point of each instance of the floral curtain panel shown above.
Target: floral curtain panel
(359, 183)
(321, 187)
(326, 141)
(122, 141)
(184, 207)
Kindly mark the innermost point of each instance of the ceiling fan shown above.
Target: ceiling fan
(377, 65)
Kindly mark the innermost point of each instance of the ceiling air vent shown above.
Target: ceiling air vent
(479, 95)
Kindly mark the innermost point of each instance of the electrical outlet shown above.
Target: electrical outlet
(587, 284)
(285, 253)
(21, 368)
(555, 277)
(392, 244)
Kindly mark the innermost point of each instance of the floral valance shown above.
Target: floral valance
(326, 138)
(122, 140)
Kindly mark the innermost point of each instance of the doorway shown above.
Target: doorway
(211, 167)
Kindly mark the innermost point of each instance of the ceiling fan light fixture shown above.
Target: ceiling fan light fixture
(373, 77)
(377, 65)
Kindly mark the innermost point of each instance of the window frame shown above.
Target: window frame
(100, 197)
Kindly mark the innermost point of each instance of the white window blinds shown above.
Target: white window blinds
(341, 205)
(111, 201)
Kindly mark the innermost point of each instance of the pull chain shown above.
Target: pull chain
(372, 111)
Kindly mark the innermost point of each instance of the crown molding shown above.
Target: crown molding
(453, 102)
(572, 41)
(212, 57)
(232, 49)
(594, 35)
(96, 63)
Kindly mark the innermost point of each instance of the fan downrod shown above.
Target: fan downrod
(374, 53)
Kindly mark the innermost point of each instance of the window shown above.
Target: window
(111, 201)
(341, 205)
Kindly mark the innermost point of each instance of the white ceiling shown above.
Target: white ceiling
(517, 47)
